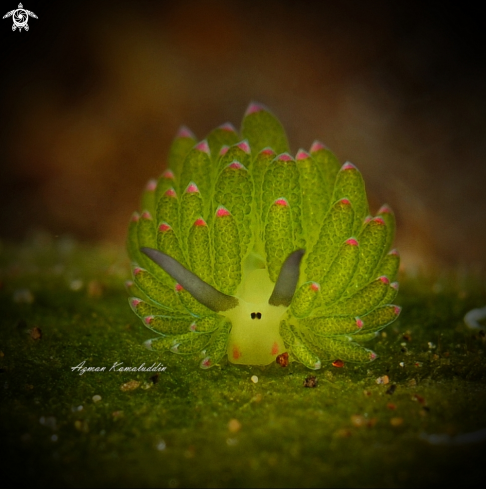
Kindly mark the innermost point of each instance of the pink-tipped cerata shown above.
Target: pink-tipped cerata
(236, 165)
(202, 146)
(192, 188)
(302, 155)
(317, 146)
(254, 107)
(168, 174)
(200, 222)
(352, 242)
(151, 185)
(348, 166)
(164, 227)
(185, 132)
(385, 209)
(284, 157)
(244, 146)
(227, 126)
(222, 211)
(379, 220)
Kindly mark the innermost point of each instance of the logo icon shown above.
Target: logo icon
(20, 18)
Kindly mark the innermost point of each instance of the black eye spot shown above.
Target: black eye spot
(253, 315)
(259, 315)
(256, 315)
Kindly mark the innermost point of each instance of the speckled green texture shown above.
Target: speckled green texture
(247, 206)
(176, 432)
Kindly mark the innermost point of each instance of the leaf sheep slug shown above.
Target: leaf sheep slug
(243, 250)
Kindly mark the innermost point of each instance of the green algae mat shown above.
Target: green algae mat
(83, 403)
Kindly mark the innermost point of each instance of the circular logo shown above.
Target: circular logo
(20, 18)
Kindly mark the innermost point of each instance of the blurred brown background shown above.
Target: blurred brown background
(92, 95)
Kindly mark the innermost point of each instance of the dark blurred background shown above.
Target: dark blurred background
(93, 93)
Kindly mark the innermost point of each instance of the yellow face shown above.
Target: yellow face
(255, 337)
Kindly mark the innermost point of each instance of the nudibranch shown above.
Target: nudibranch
(243, 250)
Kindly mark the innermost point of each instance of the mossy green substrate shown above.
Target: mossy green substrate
(181, 431)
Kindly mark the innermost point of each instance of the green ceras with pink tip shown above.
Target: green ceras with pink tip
(241, 250)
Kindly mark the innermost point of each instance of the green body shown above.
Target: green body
(231, 209)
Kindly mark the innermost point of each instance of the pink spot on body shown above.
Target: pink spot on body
(352, 242)
(348, 166)
(227, 126)
(164, 227)
(168, 174)
(283, 202)
(317, 146)
(222, 211)
(206, 363)
(379, 220)
(274, 348)
(151, 185)
(302, 155)
(384, 279)
(200, 222)
(314, 286)
(284, 157)
(345, 202)
(359, 323)
(146, 215)
(170, 192)
(202, 146)
(267, 151)
(236, 353)
(236, 165)
(223, 150)
(253, 108)
(185, 132)
(192, 188)
(244, 146)
(178, 287)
